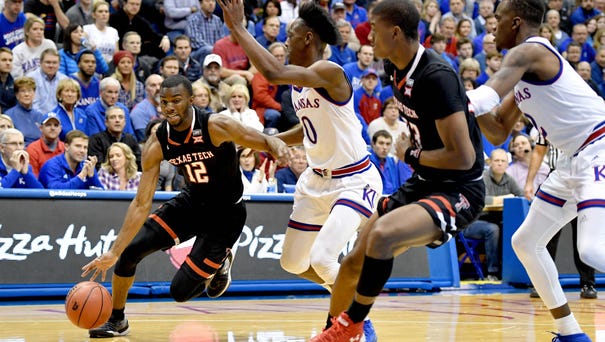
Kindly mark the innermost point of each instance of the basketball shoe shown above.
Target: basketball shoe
(342, 330)
(222, 279)
(581, 337)
(368, 331)
(111, 328)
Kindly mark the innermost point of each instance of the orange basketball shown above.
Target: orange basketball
(88, 305)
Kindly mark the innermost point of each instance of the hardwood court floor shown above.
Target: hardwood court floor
(444, 316)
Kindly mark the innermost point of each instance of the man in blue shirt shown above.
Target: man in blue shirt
(108, 96)
(342, 54)
(86, 78)
(12, 21)
(147, 109)
(288, 176)
(15, 171)
(47, 78)
(392, 172)
(71, 170)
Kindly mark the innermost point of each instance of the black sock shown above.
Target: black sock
(117, 314)
(374, 276)
(358, 312)
(329, 322)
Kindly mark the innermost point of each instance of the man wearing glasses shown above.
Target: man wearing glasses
(15, 171)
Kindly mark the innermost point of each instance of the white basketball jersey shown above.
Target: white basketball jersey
(564, 109)
(332, 131)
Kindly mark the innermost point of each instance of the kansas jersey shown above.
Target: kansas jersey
(211, 173)
(332, 132)
(564, 109)
(428, 89)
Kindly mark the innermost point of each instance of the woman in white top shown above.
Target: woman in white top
(103, 36)
(119, 171)
(390, 122)
(239, 97)
(26, 55)
(253, 177)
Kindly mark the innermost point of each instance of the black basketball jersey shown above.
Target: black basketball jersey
(433, 91)
(211, 173)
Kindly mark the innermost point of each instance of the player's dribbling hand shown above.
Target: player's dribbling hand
(99, 265)
(233, 12)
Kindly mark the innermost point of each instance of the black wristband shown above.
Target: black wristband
(412, 156)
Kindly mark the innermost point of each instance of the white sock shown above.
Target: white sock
(568, 325)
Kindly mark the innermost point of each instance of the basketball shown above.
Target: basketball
(88, 305)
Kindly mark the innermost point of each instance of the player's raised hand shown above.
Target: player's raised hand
(279, 150)
(233, 12)
(401, 145)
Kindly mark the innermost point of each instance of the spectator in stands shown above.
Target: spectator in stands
(493, 61)
(447, 28)
(366, 100)
(463, 29)
(168, 174)
(12, 20)
(49, 144)
(264, 94)
(71, 116)
(341, 53)
(464, 50)
(108, 96)
(132, 91)
(100, 34)
(87, 79)
(24, 116)
(169, 66)
(498, 185)
(201, 95)
(579, 34)
(7, 91)
(288, 176)
(80, 13)
(236, 66)
(51, 11)
(583, 12)
(253, 175)
(486, 9)
(270, 34)
(392, 172)
(204, 29)
(469, 69)
(176, 13)
(439, 44)
(583, 69)
(598, 67)
(490, 28)
(520, 147)
(5, 122)
(15, 169)
(128, 19)
(390, 122)
(47, 77)
(26, 55)
(219, 97)
(143, 65)
(74, 169)
(239, 97)
(147, 109)
(457, 12)
(563, 8)
(553, 18)
(547, 32)
(115, 120)
(271, 8)
(191, 67)
(119, 171)
(355, 15)
(353, 70)
(489, 45)
(72, 46)
(573, 53)
(431, 15)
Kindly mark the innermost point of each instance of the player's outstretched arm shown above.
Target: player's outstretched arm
(137, 211)
(321, 74)
(292, 137)
(223, 128)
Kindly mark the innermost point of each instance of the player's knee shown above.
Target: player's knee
(293, 265)
(181, 292)
(521, 245)
(379, 239)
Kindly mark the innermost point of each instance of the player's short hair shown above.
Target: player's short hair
(318, 19)
(401, 13)
(175, 81)
(530, 10)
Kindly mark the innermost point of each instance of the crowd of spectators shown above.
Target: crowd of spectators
(95, 68)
